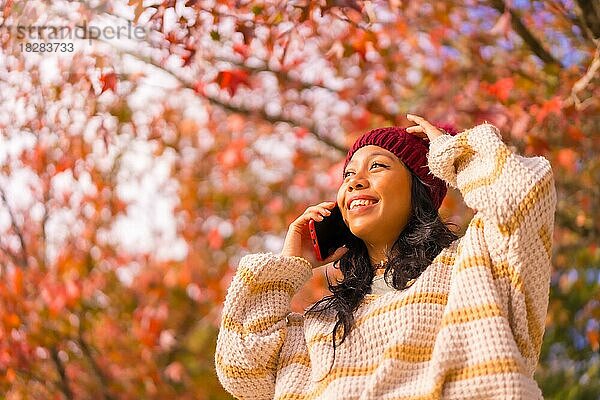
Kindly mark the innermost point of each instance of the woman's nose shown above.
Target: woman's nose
(357, 181)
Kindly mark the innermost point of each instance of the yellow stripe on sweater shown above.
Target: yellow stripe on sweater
(297, 358)
(254, 327)
(257, 371)
(505, 365)
(414, 298)
(466, 155)
(272, 286)
(400, 352)
(539, 191)
(505, 270)
(500, 158)
(544, 233)
(498, 270)
(491, 367)
(238, 372)
(247, 278)
(409, 352)
(469, 314)
(459, 316)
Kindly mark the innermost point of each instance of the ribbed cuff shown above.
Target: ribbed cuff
(443, 150)
(269, 267)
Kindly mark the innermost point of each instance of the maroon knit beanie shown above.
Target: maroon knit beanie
(409, 148)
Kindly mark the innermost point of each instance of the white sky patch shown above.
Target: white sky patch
(264, 243)
(278, 152)
(144, 183)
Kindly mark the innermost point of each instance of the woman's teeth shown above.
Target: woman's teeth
(360, 203)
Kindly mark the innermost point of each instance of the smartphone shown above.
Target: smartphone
(329, 234)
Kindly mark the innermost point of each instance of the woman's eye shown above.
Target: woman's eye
(372, 165)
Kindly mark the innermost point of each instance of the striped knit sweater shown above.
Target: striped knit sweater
(470, 327)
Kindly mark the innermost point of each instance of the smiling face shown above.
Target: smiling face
(382, 179)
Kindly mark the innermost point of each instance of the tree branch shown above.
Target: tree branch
(280, 74)
(312, 128)
(588, 13)
(525, 34)
(60, 368)
(24, 256)
(584, 81)
(261, 113)
(44, 381)
(85, 348)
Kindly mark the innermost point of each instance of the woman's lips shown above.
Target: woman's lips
(362, 209)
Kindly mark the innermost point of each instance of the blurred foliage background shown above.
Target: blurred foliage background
(137, 169)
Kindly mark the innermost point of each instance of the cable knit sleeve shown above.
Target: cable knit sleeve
(255, 322)
(504, 186)
(515, 200)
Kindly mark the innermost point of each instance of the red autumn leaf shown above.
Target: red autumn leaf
(593, 337)
(502, 88)
(275, 205)
(241, 49)
(436, 36)
(233, 155)
(188, 57)
(215, 240)
(199, 88)
(300, 180)
(567, 158)
(109, 81)
(7, 8)
(361, 119)
(360, 42)
(301, 132)
(554, 105)
(536, 145)
(231, 79)
(11, 320)
(18, 281)
(575, 133)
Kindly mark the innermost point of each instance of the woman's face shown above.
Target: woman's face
(379, 176)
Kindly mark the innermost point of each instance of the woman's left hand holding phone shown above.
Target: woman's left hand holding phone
(298, 242)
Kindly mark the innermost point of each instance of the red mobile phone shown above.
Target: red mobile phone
(329, 234)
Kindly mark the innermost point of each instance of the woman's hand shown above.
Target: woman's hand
(423, 128)
(298, 242)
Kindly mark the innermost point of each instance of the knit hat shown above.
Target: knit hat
(411, 150)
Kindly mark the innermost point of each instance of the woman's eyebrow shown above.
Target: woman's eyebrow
(371, 156)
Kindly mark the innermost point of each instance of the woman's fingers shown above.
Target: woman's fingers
(430, 131)
(319, 214)
(327, 204)
(319, 211)
(417, 131)
(340, 251)
(419, 120)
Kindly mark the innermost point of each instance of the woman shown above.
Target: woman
(449, 318)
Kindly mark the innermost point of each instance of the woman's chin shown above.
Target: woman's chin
(363, 231)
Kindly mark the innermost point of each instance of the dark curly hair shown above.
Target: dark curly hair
(422, 239)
